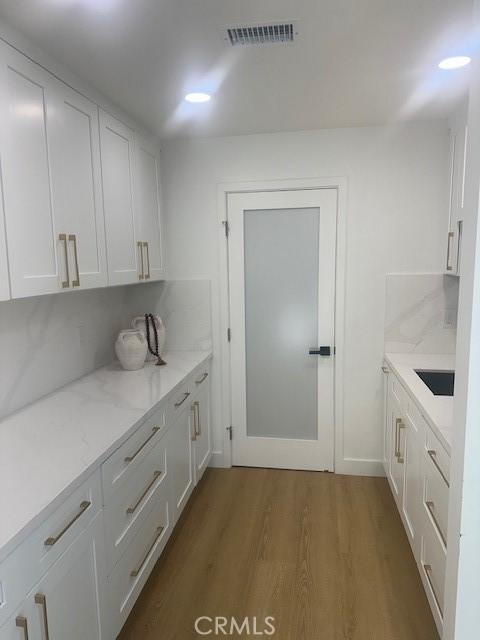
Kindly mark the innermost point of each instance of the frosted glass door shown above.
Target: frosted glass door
(281, 257)
(281, 313)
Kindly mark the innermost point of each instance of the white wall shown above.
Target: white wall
(396, 220)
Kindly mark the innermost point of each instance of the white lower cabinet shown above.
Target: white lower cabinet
(67, 602)
(417, 468)
(79, 573)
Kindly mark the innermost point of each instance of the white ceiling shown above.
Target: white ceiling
(356, 62)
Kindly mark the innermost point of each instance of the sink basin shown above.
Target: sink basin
(440, 383)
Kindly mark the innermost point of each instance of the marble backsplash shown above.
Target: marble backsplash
(49, 341)
(421, 313)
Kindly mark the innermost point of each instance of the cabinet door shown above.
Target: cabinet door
(397, 442)
(23, 624)
(4, 279)
(76, 185)
(148, 208)
(385, 420)
(412, 485)
(68, 597)
(203, 445)
(180, 455)
(25, 93)
(117, 152)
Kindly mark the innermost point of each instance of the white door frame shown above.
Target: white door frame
(340, 184)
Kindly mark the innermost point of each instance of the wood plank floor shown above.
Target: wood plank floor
(325, 555)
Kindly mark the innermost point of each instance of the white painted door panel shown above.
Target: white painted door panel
(4, 277)
(180, 452)
(117, 153)
(282, 251)
(76, 185)
(148, 207)
(26, 172)
(397, 442)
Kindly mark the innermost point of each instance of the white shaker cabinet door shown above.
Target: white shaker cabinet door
(117, 153)
(4, 279)
(203, 438)
(181, 460)
(148, 209)
(76, 186)
(68, 597)
(25, 91)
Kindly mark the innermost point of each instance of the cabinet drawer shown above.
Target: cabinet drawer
(26, 565)
(433, 561)
(179, 400)
(435, 498)
(130, 574)
(399, 392)
(438, 456)
(127, 508)
(123, 463)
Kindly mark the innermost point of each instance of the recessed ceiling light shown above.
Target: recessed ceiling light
(454, 63)
(197, 97)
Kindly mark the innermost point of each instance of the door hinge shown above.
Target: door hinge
(229, 334)
(226, 226)
(230, 431)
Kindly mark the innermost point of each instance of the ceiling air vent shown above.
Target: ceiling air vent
(261, 34)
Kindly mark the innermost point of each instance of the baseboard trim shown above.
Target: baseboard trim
(358, 467)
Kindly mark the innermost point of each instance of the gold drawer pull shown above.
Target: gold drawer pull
(385, 369)
(200, 380)
(198, 431)
(431, 509)
(135, 572)
(433, 456)
(63, 238)
(21, 623)
(450, 236)
(428, 573)
(42, 600)
(73, 238)
(129, 459)
(185, 396)
(398, 426)
(194, 411)
(134, 507)
(49, 542)
(147, 275)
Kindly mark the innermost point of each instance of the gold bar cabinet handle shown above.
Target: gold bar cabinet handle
(134, 507)
(200, 380)
(428, 573)
(21, 623)
(63, 238)
(141, 275)
(42, 601)
(400, 425)
(398, 421)
(180, 402)
(147, 275)
(385, 369)
(433, 456)
(129, 459)
(49, 542)
(451, 234)
(431, 508)
(135, 572)
(194, 411)
(198, 431)
(73, 238)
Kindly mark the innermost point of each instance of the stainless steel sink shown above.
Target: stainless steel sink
(440, 383)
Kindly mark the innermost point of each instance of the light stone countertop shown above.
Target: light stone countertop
(437, 410)
(50, 447)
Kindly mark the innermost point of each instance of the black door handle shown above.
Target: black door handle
(320, 351)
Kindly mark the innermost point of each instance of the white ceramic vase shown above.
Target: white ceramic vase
(138, 323)
(131, 349)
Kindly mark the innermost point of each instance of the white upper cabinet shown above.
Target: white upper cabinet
(76, 187)
(4, 279)
(148, 210)
(457, 167)
(118, 161)
(32, 245)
